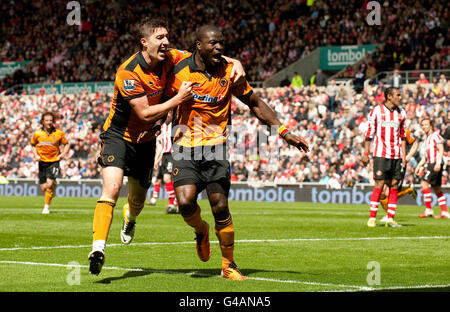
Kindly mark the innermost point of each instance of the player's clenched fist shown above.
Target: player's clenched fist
(185, 93)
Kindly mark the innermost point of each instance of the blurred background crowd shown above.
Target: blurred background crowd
(266, 36)
(333, 120)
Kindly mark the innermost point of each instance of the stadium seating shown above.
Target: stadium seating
(336, 138)
(266, 35)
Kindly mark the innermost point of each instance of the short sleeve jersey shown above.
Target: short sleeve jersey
(204, 120)
(135, 79)
(47, 144)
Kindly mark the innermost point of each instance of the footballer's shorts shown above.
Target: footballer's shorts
(388, 169)
(135, 159)
(206, 167)
(166, 165)
(433, 177)
(48, 170)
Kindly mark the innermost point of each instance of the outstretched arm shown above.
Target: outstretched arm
(268, 117)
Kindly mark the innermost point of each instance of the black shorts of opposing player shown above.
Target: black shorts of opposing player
(48, 170)
(388, 169)
(166, 165)
(433, 177)
(136, 160)
(206, 167)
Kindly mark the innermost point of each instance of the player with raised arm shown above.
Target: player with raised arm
(387, 131)
(129, 132)
(199, 151)
(46, 144)
(433, 153)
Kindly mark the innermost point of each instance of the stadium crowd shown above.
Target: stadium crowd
(266, 35)
(333, 119)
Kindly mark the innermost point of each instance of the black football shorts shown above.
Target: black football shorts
(388, 169)
(48, 170)
(206, 167)
(166, 165)
(135, 159)
(433, 177)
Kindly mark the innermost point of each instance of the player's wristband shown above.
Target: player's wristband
(366, 153)
(283, 131)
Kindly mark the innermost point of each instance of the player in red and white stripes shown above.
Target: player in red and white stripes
(433, 153)
(387, 131)
(164, 160)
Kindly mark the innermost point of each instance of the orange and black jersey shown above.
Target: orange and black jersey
(135, 79)
(47, 144)
(204, 119)
(409, 140)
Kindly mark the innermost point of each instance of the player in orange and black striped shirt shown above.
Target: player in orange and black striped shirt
(199, 152)
(135, 110)
(46, 144)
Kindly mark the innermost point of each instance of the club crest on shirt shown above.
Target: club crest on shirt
(223, 82)
(128, 84)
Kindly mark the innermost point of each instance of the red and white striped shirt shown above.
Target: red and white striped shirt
(388, 129)
(166, 138)
(431, 146)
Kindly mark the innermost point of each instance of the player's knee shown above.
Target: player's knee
(136, 201)
(220, 206)
(187, 206)
(111, 189)
(220, 211)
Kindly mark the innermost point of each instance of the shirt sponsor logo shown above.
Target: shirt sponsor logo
(129, 84)
(393, 124)
(208, 98)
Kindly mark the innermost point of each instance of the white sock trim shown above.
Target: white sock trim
(99, 244)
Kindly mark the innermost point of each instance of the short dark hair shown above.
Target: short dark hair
(47, 113)
(389, 91)
(149, 24)
(201, 32)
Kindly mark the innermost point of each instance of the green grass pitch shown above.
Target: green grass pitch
(280, 247)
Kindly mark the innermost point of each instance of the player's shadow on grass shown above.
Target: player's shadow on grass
(194, 273)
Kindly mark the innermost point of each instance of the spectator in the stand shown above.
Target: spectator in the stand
(332, 91)
(423, 79)
(358, 82)
(319, 78)
(241, 172)
(396, 80)
(297, 80)
(443, 83)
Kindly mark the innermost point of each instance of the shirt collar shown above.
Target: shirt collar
(142, 62)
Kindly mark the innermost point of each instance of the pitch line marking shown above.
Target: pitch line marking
(187, 273)
(352, 287)
(237, 241)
